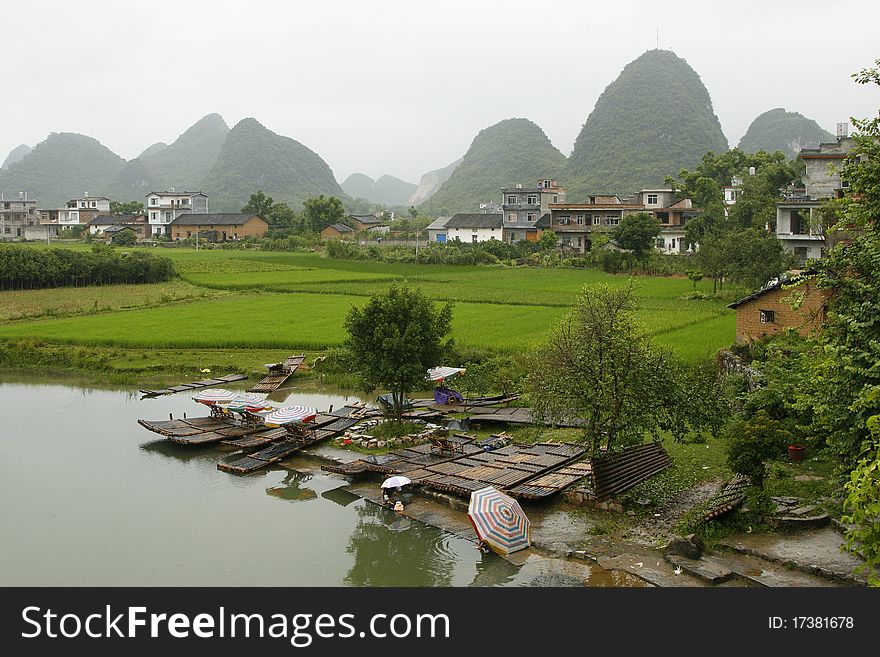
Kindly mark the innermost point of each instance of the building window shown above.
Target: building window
(555, 198)
(94, 204)
(184, 201)
(532, 199)
(597, 220)
(532, 216)
(511, 216)
(564, 219)
(547, 184)
(580, 219)
(612, 221)
(154, 201)
(511, 199)
(652, 199)
(768, 316)
(154, 216)
(167, 216)
(474, 239)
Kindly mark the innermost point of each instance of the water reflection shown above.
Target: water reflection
(389, 554)
(185, 453)
(290, 488)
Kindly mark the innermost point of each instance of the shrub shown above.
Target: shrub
(753, 442)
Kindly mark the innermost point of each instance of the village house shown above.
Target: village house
(370, 222)
(336, 231)
(437, 230)
(162, 208)
(111, 223)
(798, 224)
(18, 217)
(793, 302)
(474, 228)
(218, 227)
(522, 208)
(76, 213)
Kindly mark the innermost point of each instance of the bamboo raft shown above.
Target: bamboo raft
(204, 383)
(527, 471)
(727, 499)
(278, 374)
(619, 471)
(519, 415)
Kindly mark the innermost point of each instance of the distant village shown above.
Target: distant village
(524, 213)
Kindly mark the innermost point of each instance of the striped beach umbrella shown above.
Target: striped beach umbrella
(440, 373)
(499, 520)
(248, 402)
(290, 415)
(211, 396)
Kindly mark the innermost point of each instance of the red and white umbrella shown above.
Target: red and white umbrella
(248, 402)
(290, 415)
(440, 373)
(212, 396)
(499, 520)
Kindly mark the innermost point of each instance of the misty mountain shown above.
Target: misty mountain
(255, 158)
(186, 162)
(431, 182)
(509, 152)
(653, 120)
(387, 190)
(152, 150)
(779, 130)
(16, 155)
(63, 167)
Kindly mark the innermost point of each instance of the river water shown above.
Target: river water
(88, 497)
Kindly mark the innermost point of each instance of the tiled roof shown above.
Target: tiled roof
(341, 228)
(775, 285)
(215, 219)
(114, 219)
(463, 220)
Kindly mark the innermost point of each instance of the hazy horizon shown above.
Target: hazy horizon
(403, 88)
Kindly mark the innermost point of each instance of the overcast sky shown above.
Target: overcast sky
(402, 87)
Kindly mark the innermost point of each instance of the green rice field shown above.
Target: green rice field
(300, 300)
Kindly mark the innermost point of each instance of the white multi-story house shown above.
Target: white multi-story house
(75, 213)
(162, 208)
(798, 224)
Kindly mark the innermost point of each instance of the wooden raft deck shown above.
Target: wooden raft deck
(527, 471)
(200, 430)
(183, 387)
(276, 378)
(518, 415)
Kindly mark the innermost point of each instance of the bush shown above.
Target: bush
(753, 442)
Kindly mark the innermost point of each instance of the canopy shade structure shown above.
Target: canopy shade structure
(290, 415)
(499, 521)
(441, 373)
(248, 402)
(212, 396)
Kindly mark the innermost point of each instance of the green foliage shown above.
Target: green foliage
(124, 237)
(548, 241)
(22, 268)
(862, 503)
(752, 442)
(260, 205)
(512, 151)
(318, 213)
(654, 118)
(131, 207)
(695, 276)
(747, 257)
(637, 233)
(599, 366)
(253, 157)
(778, 130)
(395, 338)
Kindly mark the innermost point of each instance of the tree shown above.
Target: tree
(318, 213)
(548, 241)
(395, 338)
(132, 207)
(260, 205)
(638, 233)
(600, 367)
(695, 276)
(753, 441)
(125, 237)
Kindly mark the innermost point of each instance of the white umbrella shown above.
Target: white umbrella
(395, 482)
